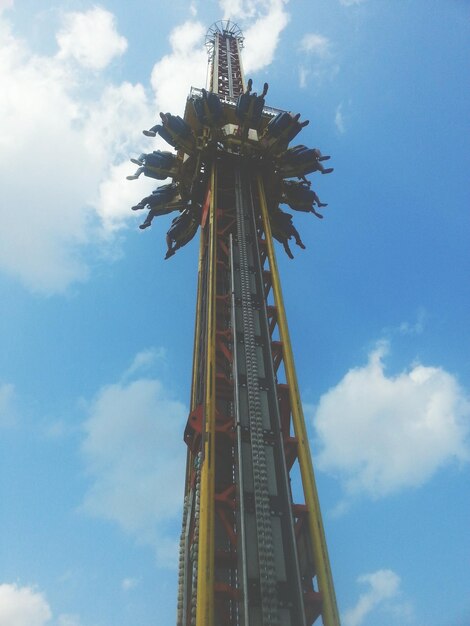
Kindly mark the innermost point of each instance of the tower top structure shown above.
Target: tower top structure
(226, 28)
(224, 41)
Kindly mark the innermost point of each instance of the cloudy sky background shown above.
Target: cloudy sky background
(96, 328)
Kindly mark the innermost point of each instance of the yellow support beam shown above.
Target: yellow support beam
(205, 568)
(322, 563)
(197, 329)
(197, 332)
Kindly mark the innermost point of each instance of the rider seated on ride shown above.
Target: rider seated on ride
(281, 130)
(174, 131)
(158, 164)
(250, 106)
(161, 201)
(282, 229)
(300, 197)
(208, 109)
(300, 160)
(183, 228)
(160, 195)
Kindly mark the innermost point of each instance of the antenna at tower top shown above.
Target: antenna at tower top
(225, 28)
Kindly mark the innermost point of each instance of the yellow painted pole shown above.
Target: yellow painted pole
(205, 569)
(197, 330)
(322, 563)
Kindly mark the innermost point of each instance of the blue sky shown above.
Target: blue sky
(96, 328)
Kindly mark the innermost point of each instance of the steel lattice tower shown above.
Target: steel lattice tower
(249, 554)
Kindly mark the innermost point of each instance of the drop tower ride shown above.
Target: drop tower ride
(250, 553)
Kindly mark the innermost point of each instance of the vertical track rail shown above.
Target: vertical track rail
(243, 557)
(329, 605)
(264, 532)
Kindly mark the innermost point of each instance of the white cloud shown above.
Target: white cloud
(315, 44)
(184, 67)
(303, 74)
(144, 360)
(61, 145)
(263, 35)
(23, 606)
(318, 59)
(116, 195)
(8, 414)
(5, 4)
(129, 583)
(414, 328)
(90, 38)
(56, 430)
(27, 606)
(380, 434)
(407, 327)
(135, 456)
(66, 619)
(114, 121)
(339, 119)
(38, 244)
(384, 585)
(350, 3)
(241, 9)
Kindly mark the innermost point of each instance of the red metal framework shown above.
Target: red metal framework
(224, 42)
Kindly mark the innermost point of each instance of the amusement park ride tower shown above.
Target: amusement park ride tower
(250, 555)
